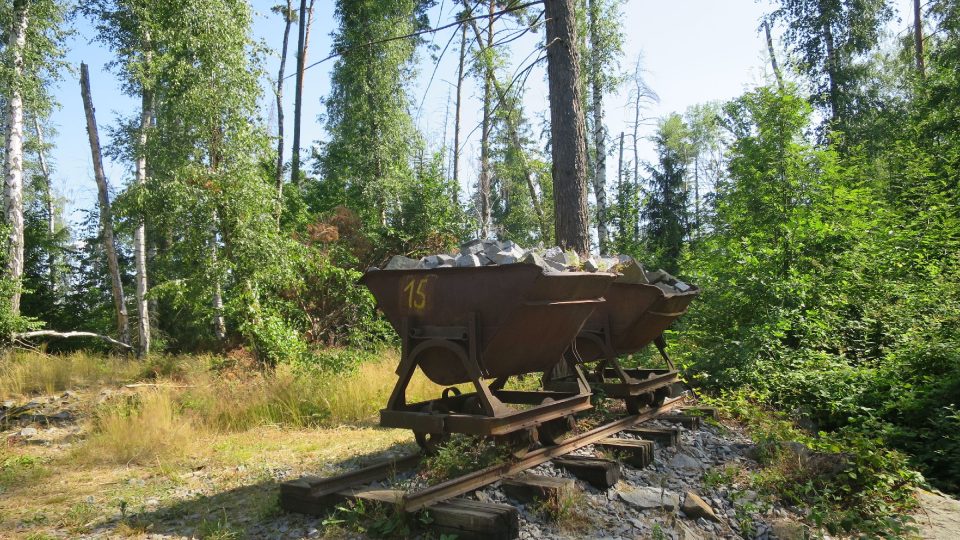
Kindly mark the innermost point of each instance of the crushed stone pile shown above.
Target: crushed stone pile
(476, 253)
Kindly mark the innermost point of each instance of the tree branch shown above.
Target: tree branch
(66, 335)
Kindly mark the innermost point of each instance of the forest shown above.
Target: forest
(818, 211)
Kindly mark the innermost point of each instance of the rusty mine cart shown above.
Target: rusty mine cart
(633, 316)
(471, 325)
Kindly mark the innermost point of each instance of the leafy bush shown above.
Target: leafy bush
(849, 479)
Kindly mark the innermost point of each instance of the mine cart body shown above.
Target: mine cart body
(632, 317)
(465, 325)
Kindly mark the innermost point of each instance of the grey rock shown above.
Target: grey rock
(590, 265)
(632, 272)
(695, 507)
(446, 260)
(469, 261)
(531, 257)
(683, 461)
(504, 257)
(491, 248)
(472, 247)
(28, 432)
(648, 497)
(399, 262)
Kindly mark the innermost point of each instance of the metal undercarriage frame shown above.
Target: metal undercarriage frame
(638, 387)
(486, 411)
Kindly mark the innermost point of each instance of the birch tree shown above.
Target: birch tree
(602, 67)
(13, 164)
(33, 52)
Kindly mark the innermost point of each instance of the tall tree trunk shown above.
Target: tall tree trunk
(599, 130)
(696, 196)
(219, 322)
(831, 70)
(106, 219)
(456, 119)
(636, 167)
(140, 233)
(918, 37)
(486, 125)
(305, 15)
(621, 199)
(278, 180)
(567, 130)
(13, 165)
(48, 203)
(773, 55)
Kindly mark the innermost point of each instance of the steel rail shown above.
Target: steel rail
(418, 500)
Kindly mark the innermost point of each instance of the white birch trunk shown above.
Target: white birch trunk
(13, 166)
(599, 133)
(140, 234)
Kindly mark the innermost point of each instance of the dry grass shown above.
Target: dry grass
(146, 427)
(23, 374)
(162, 424)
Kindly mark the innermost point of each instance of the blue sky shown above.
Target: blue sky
(694, 51)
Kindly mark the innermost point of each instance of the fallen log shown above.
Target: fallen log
(65, 335)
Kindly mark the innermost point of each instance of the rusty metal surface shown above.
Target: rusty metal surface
(634, 315)
(525, 318)
(563, 404)
(412, 502)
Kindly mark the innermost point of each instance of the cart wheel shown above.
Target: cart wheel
(557, 431)
(661, 395)
(517, 442)
(429, 443)
(635, 404)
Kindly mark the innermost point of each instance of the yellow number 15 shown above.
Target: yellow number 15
(416, 296)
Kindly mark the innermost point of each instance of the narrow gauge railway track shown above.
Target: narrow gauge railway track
(314, 495)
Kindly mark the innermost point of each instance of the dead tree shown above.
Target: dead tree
(288, 18)
(306, 17)
(773, 55)
(106, 220)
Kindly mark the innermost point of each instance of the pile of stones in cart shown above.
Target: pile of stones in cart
(477, 253)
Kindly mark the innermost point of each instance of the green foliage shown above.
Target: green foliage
(831, 39)
(666, 209)
(849, 479)
(462, 454)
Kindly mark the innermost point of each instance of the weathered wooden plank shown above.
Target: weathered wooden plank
(687, 421)
(663, 436)
(316, 495)
(600, 473)
(635, 453)
(475, 520)
(526, 487)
